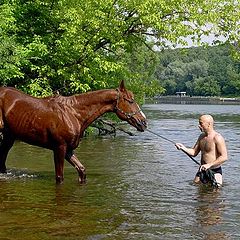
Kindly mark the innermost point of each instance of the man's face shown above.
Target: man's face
(203, 124)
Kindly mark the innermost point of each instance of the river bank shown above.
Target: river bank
(193, 100)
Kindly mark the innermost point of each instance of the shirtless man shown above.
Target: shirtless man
(212, 146)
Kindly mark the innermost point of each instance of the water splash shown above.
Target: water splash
(17, 174)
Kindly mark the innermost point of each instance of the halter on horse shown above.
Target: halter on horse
(58, 123)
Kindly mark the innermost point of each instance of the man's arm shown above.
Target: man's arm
(191, 151)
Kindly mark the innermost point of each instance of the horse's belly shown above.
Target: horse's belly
(31, 135)
(44, 133)
(40, 127)
(30, 128)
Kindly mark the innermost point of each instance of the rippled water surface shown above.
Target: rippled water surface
(138, 187)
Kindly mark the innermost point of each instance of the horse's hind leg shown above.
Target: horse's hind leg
(73, 160)
(5, 146)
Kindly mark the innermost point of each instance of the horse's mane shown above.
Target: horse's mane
(81, 98)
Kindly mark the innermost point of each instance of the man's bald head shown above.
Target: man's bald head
(207, 118)
(206, 123)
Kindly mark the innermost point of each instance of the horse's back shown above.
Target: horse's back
(9, 90)
(9, 95)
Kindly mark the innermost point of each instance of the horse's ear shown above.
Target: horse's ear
(122, 85)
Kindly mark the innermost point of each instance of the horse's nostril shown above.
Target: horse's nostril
(143, 123)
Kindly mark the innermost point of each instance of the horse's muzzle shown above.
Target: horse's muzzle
(141, 125)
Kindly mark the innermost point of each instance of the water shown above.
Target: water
(138, 187)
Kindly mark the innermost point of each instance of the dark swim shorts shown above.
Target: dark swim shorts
(215, 170)
(206, 176)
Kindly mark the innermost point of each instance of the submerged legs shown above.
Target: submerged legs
(73, 160)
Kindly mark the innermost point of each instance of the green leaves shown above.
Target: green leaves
(206, 87)
(10, 50)
(200, 71)
(77, 46)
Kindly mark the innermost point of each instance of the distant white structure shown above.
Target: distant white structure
(181, 94)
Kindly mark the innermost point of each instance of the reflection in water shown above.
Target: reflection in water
(209, 212)
(209, 209)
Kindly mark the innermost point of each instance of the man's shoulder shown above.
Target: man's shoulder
(218, 137)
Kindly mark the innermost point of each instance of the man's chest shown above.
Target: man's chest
(207, 144)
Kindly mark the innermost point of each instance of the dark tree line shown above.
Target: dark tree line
(202, 71)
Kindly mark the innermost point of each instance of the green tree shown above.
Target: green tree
(232, 86)
(183, 66)
(10, 51)
(75, 46)
(206, 87)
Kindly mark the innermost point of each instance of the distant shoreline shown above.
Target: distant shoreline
(193, 100)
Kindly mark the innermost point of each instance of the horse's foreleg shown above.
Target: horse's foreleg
(59, 155)
(73, 160)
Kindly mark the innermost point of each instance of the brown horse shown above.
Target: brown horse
(58, 123)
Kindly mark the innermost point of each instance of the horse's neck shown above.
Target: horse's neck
(90, 106)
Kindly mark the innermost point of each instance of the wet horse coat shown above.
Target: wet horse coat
(58, 123)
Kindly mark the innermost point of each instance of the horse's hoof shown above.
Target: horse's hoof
(59, 180)
(82, 180)
(3, 170)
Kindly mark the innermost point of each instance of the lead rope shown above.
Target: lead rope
(174, 144)
(209, 172)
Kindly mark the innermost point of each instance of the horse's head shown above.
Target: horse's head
(128, 110)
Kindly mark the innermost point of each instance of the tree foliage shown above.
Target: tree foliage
(75, 46)
(210, 71)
